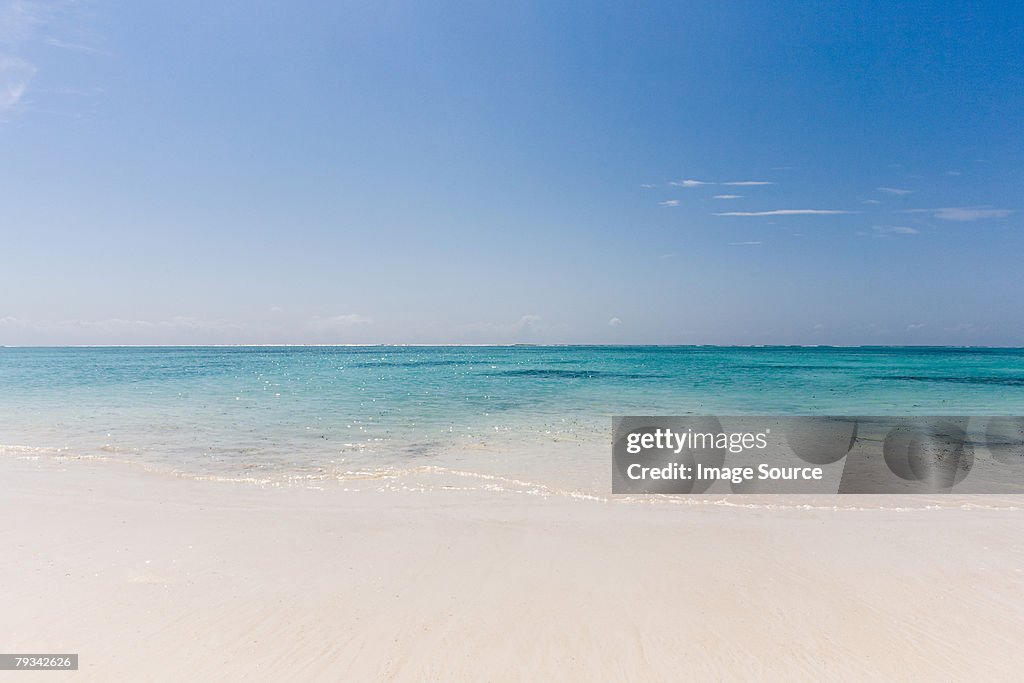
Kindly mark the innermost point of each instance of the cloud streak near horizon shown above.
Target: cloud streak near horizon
(786, 212)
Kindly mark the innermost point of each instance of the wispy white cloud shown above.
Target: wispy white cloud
(961, 213)
(669, 202)
(19, 19)
(119, 325)
(785, 212)
(749, 243)
(77, 47)
(614, 322)
(15, 75)
(728, 196)
(895, 190)
(491, 331)
(18, 22)
(964, 213)
(896, 230)
(337, 322)
(871, 201)
(27, 24)
(698, 183)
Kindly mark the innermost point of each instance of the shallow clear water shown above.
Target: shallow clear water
(291, 411)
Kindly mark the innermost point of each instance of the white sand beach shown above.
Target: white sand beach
(151, 577)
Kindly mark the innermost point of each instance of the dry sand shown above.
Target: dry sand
(150, 577)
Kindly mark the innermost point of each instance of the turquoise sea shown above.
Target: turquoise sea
(286, 414)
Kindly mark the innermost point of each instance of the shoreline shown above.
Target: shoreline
(215, 580)
(565, 345)
(454, 478)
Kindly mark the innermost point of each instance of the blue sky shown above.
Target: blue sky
(318, 172)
